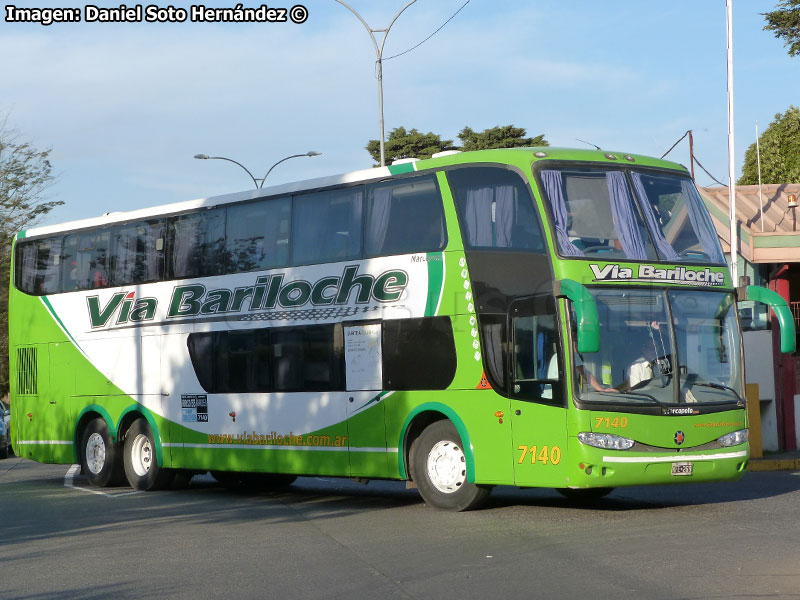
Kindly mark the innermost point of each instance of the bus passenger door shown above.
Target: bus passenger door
(538, 413)
(366, 428)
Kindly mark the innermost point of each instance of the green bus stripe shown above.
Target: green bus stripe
(60, 323)
(402, 168)
(435, 282)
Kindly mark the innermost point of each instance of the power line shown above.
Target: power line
(694, 158)
(676, 143)
(431, 35)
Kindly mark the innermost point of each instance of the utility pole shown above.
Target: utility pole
(379, 55)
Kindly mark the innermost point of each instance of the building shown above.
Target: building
(769, 250)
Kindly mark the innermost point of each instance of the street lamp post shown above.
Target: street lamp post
(379, 55)
(263, 179)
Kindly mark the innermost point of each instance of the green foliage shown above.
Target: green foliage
(413, 144)
(408, 144)
(780, 152)
(25, 176)
(784, 22)
(502, 136)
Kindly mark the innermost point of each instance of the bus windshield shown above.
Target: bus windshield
(663, 347)
(618, 215)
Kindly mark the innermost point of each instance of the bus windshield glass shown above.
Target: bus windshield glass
(629, 215)
(662, 347)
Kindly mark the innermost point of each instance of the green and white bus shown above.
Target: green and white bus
(534, 317)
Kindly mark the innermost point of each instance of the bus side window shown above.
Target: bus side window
(535, 359)
(257, 235)
(136, 257)
(196, 242)
(493, 342)
(404, 217)
(326, 226)
(37, 269)
(496, 209)
(418, 354)
(281, 359)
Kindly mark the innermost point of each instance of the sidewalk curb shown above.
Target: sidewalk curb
(771, 464)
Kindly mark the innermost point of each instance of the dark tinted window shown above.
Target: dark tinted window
(326, 226)
(403, 217)
(418, 354)
(269, 360)
(38, 266)
(493, 342)
(496, 209)
(197, 243)
(84, 261)
(137, 253)
(257, 235)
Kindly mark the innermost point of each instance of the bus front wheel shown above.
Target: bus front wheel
(141, 466)
(100, 457)
(439, 468)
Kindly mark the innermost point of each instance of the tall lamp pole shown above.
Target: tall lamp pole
(379, 55)
(263, 179)
(731, 173)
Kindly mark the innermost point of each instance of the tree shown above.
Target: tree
(502, 136)
(784, 22)
(25, 177)
(413, 144)
(780, 152)
(408, 144)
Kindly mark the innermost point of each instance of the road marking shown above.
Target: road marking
(69, 477)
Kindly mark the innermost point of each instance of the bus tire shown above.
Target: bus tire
(100, 455)
(585, 494)
(439, 468)
(141, 466)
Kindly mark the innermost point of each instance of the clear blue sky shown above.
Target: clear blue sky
(124, 107)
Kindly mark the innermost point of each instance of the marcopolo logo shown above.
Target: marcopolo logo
(651, 273)
(268, 292)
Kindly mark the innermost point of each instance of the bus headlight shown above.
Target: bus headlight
(606, 441)
(734, 438)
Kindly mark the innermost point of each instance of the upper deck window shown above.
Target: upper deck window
(680, 223)
(496, 209)
(403, 217)
(597, 214)
(594, 215)
(327, 226)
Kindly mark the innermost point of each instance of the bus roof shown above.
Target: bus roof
(520, 157)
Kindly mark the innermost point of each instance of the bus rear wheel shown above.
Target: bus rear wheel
(141, 466)
(439, 468)
(100, 456)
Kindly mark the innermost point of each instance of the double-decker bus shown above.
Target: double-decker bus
(533, 317)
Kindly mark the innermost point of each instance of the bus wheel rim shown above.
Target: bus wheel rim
(447, 469)
(95, 453)
(141, 455)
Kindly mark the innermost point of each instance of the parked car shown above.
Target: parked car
(5, 431)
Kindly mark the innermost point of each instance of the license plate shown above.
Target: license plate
(683, 468)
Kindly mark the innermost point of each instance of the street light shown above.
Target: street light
(379, 54)
(263, 179)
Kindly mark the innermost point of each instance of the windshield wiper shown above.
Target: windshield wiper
(716, 386)
(635, 393)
